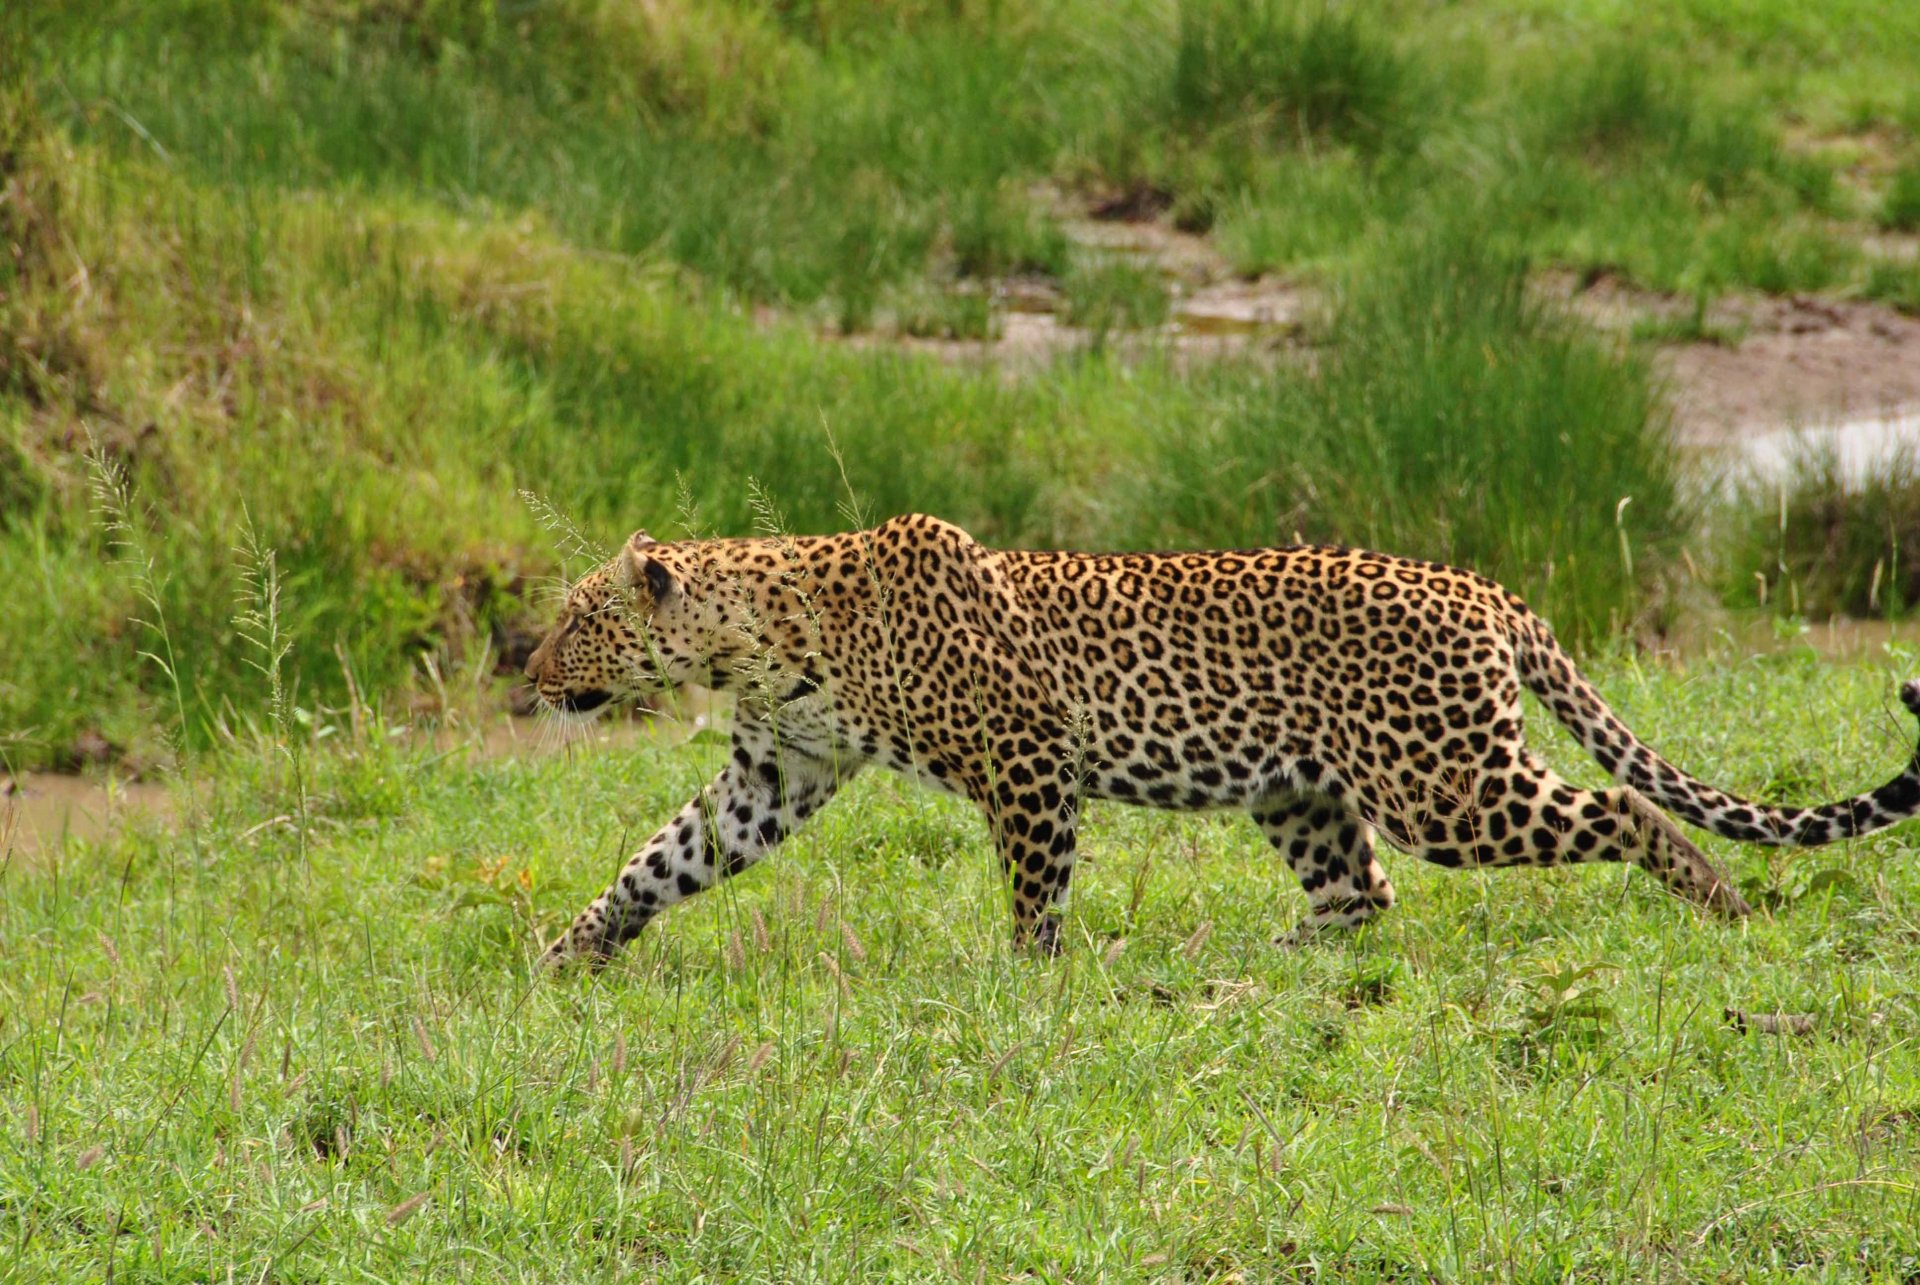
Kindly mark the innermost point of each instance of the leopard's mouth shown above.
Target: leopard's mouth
(583, 706)
(583, 702)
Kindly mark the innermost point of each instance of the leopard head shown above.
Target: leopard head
(638, 625)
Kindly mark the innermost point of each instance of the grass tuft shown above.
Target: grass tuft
(1831, 543)
(1452, 417)
(1104, 295)
(1299, 70)
(1900, 204)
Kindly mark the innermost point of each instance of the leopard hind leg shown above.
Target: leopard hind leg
(1529, 816)
(1331, 852)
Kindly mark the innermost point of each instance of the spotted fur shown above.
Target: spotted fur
(1331, 693)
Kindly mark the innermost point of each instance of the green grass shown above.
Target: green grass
(1296, 71)
(244, 1048)
(1896, 284)
(815, 161)
(1900, 207)
(1446, 405)
(1843, 65)
(339, 280)
(1103, 296)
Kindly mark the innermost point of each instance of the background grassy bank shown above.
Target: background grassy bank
(310, 1050)
(827, 152)
(358, 273)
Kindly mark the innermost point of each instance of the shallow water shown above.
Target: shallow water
(1860, 449)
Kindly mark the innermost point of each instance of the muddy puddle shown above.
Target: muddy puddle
(41, 811)
(1211, 311)
(1854, 452)
(1206, 322)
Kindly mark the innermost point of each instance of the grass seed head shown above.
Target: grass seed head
(406, 1209)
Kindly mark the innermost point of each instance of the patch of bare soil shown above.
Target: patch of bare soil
(1208, 323)
(1713, 633)
(1764, 362)
(1184, 257)
(42, 811)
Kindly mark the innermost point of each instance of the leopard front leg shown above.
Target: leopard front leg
(759, 799)
(1030, 805)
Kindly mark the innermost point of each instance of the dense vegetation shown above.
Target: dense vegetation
(353, 274)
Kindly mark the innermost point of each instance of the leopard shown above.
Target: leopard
(1335, 695)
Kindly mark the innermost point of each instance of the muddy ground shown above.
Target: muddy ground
(1769, 362)
(1747, 364)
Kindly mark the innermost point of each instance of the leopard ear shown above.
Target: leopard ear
(638, 568)
(660, 581)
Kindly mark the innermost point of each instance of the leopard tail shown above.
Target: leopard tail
(1550, 674)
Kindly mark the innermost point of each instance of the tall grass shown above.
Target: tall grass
(373, 380)
(1301, 70)
(364, 271)
(1451, 417)
(1900, 204)
(812, 161)
(705, 132)
(377, 441)
(1829, 542)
